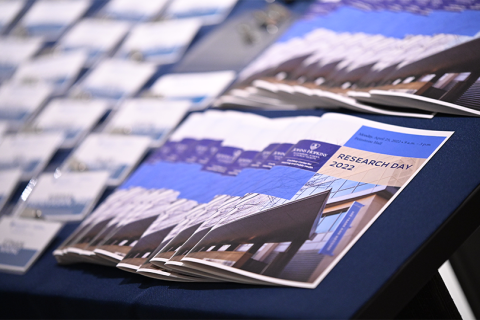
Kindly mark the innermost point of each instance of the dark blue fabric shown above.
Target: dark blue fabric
(49, 290)
(85, 291)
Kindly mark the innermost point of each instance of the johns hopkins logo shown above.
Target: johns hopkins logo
(314, 146)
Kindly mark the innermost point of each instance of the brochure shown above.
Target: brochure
(19, 102)
(313, 189)
(22, 241)
(106, 152)
(92, 226)
(63, 197)
(131, 221)
(138, 11)
(350, 213)
(149, 117)
(28, 152)
(147, 252)
(150, 220)
(209, 11)
(16, 51)
(59, 70)
(114, 80)
(72, 118)
(8, 182)
(320, 62)
(160, 42)
(200, 88)
(108, 34)
(50, 18)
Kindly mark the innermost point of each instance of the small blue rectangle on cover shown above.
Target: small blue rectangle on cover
(394, 143)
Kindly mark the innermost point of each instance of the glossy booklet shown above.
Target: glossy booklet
(410, 60)
(239, 197)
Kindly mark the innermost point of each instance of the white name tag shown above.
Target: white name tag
(19, 102)
(209, 11)
(9, 10)
(200, 88)
(14, 52)
(107, 35)
(8, 182)
(3, 128)
(71, 118)
(104, 152)
(22, 241)
(160, 42)
(50, 18)
(58, 70)
(134, 11)
(148, 117)
(115, 79)
(28, 152)
(69, 196)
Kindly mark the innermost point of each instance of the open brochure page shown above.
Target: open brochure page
(239, 197)
(325, 61)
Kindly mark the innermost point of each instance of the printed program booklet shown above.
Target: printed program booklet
(239, 197)
(421, 64)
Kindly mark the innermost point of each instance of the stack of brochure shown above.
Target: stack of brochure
(239, 197)
(385, 57)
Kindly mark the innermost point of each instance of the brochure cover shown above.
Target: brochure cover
(22, 241)
(158, 229)
(80, 245)
(378, 175)
(87, 223)
(111, 218)
(129, 230)
(285, 218)
(410, 59)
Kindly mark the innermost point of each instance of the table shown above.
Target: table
(400, 252)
